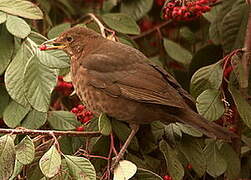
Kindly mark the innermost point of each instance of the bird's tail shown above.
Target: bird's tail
(210, 129)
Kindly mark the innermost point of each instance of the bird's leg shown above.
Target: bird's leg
(135, 128)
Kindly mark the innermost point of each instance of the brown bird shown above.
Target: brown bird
(120, 81)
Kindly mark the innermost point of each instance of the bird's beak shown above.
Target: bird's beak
(52, 44)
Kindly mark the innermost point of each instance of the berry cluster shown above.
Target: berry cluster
(83, 115)
(65, 88)
(186, 10)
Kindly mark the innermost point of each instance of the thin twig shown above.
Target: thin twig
(48, 132)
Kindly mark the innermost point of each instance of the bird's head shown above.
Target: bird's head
(73, 40)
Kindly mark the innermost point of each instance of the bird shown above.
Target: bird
(120, 81)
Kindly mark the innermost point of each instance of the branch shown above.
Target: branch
(49, 132)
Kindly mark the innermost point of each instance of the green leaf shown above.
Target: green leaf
(6, 48)
(174, 167)
(208, 77)
(234, 25)
(57, 30)
(146, 174)
(37, 38)
(14, 114)
(187, 34)
(122, 131)
(7, 156)
(80, 168)
(177, 52)
(4, 100)
(242, 105)
(136, 9)
(209, 104)
(21, 8)
(17, 26)
(25, 151)
(63, 120)
(50, 162)
(212, 14)
(53, 58)
(233, 162)
(121, 23)
(216, 164)
(39, 82)
(193, 152)
(215, 30)
(14, 76)
(104, 124)
(17, 169)
(187, 129)
(34, 119)
(124, 170)
(3, 17)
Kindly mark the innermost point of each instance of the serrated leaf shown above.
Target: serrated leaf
(21, 8)
(234, 25)
(57, 30)
(208, 77)
(104, 124)
(53, 58)
(3, 17)
(124, 170)
(233, 162)
(177, 52)
(121, 23)
(80, 168)
(136, 9)
(7, 156)
(25, 151)
(216, 164)
(122, 131)
(187, 129)
(63, 120)
(17, 26)
(242, 105)
(50, 162)
(209, 104)
(4, 100)
(34, 119)
(193, 152)
(174, 167)
(39, 81)
(17, 169)
(14, 76)
(14, 114)
(6, 48)
(146, 174)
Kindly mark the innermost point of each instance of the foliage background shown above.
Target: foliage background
(195, 52)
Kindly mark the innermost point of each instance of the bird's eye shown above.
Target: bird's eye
(69, 39)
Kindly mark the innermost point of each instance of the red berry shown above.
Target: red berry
(80, 107)
(189, 166)
(42, 47)
(183, 8)
(166, 177)
(74, 110)
(232, 129)
(80, 128)
(228, 71)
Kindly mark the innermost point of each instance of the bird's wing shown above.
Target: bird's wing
(134, 80)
